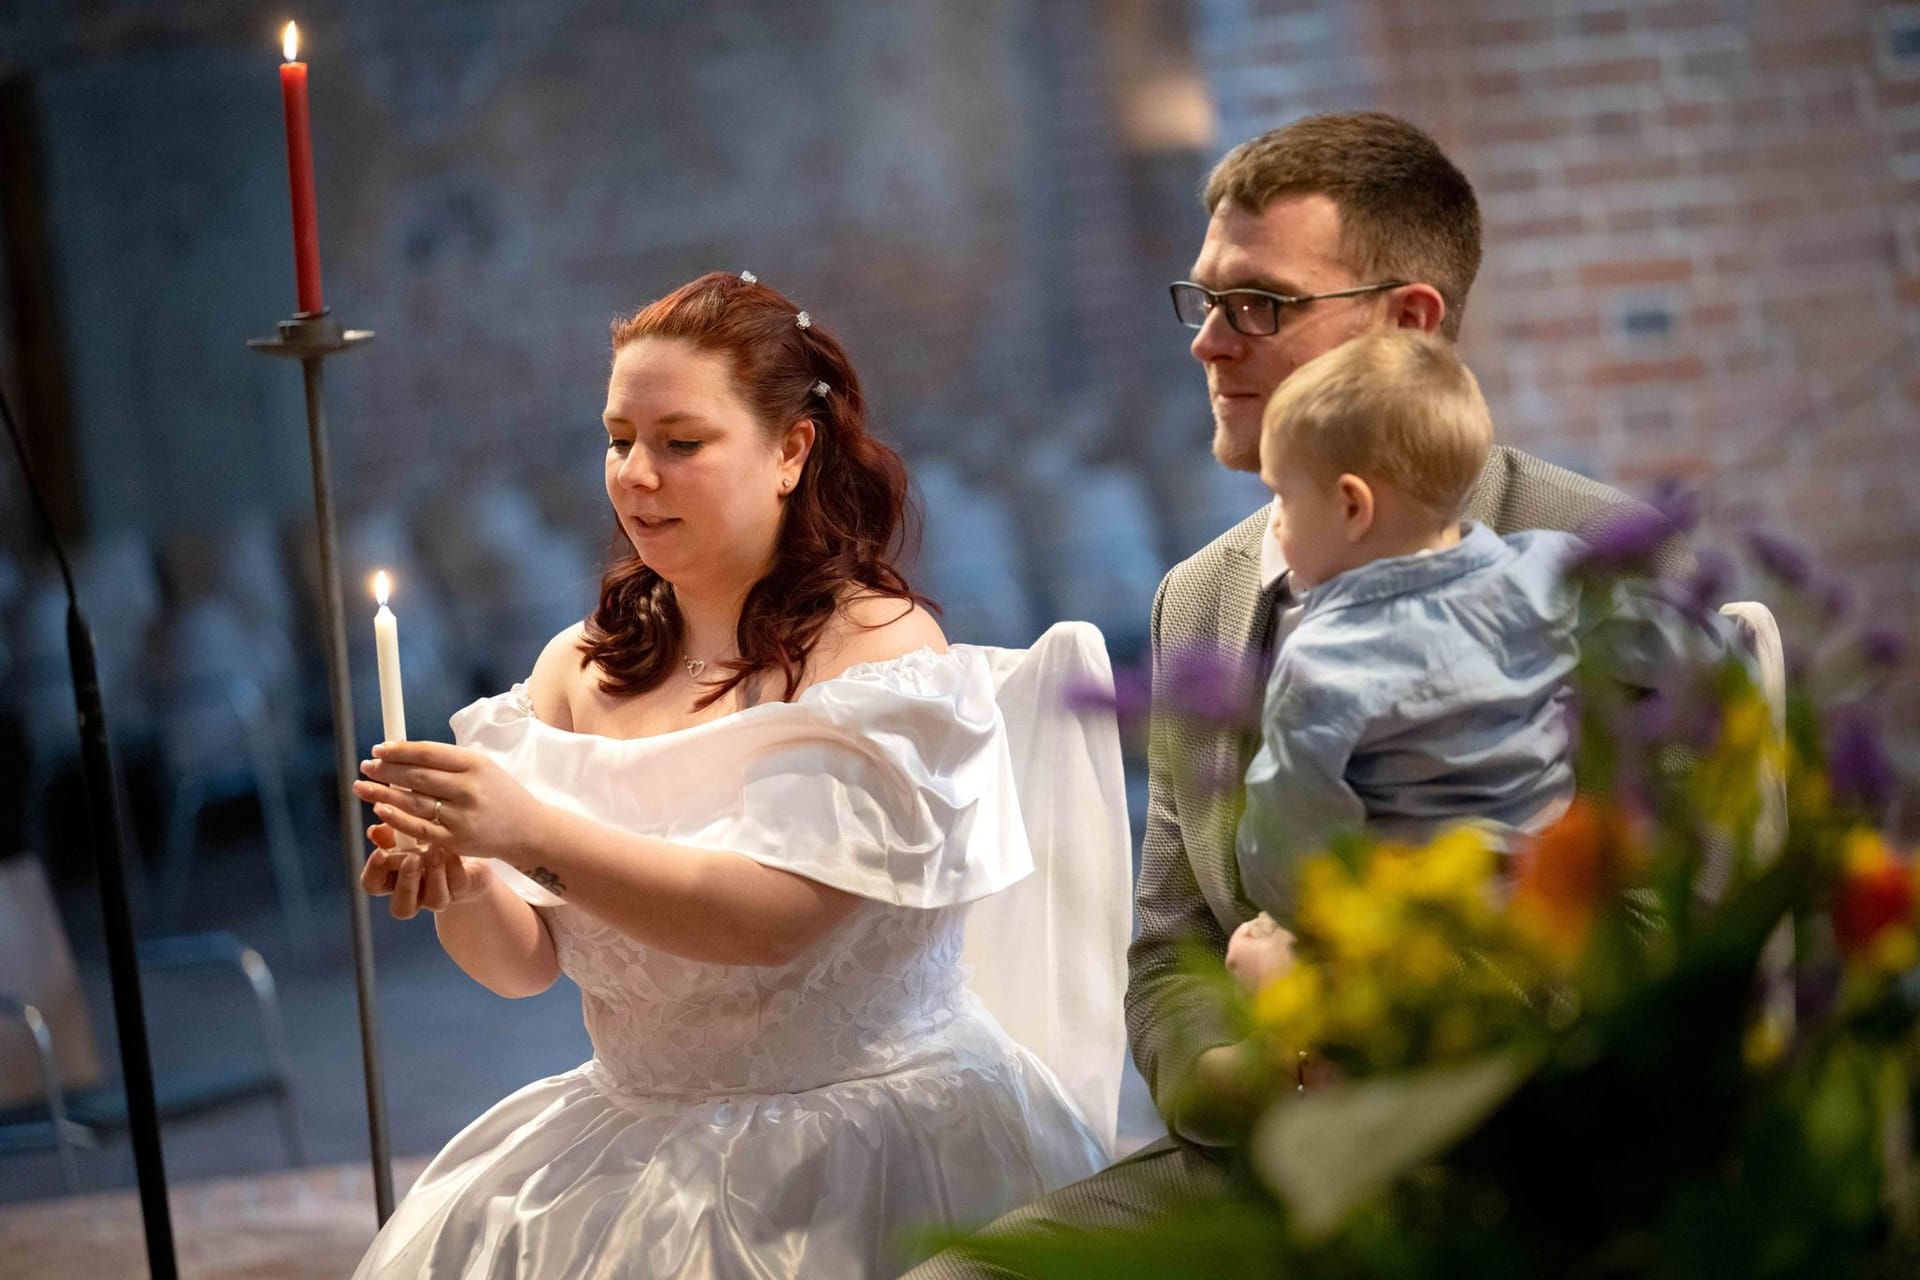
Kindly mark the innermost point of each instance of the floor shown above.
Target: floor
(306, 1224)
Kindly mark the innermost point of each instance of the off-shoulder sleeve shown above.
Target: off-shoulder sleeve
(892, 781)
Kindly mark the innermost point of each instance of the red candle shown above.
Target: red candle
(306, 223)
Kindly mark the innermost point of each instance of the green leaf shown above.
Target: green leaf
(1198, 1240)
(1329, 1152)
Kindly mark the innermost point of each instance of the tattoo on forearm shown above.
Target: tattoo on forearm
(546, 880)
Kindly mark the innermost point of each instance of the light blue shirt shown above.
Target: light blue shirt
(1422, 691)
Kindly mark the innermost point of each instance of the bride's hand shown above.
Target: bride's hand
(457, 801)
(420, 878)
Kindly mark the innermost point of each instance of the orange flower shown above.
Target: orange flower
(1875, 894)
(1568, 870)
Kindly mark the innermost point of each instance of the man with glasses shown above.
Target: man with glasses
(1318, 232)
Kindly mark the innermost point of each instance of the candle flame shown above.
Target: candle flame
(290, 42)
(380, 585)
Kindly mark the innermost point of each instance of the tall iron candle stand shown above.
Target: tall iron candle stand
(310, 337)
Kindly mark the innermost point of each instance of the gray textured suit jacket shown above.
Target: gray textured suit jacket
(1189, 884)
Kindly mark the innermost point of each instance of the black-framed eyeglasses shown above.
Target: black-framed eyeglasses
(1252, 312)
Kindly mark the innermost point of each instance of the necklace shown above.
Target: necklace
(693, 665)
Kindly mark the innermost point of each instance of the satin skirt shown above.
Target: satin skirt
(572, 1177)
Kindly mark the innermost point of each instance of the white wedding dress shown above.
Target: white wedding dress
(807, 1119)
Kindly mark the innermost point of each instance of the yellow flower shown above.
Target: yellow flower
(1863, 850)
(1291, 1008)
(1458, 872)
(1764, 1043)
(1726, 787)
(1746, 725)
(1424, 958)
(1353, 922)
(1892, 951)
(1808, 790)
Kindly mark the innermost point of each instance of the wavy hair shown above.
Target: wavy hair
(844, 523)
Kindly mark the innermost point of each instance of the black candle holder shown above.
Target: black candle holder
(310, 337)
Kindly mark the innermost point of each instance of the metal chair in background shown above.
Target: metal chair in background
(43, 1013)
(220, 737)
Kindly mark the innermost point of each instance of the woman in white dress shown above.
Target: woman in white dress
(744, 806)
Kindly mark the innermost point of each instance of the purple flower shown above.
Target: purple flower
(1126, 698)
(1658, 717)
(1212, 687)
(1628, 537)
(1679, 503)
(1882, 648)
(1700, 595)
(1781, 559)
(1654, 717)
(1625, 540)
(1856, 762)
(1712, 571)
(1836, 601)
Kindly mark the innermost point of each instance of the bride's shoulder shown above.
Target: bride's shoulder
(873, 628)
(555, 676)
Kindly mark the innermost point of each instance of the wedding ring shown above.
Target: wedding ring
(435, 819)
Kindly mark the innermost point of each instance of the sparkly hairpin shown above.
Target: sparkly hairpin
(804, 320)
(822, 390)
(749, 277)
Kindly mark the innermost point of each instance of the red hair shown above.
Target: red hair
(843, 524)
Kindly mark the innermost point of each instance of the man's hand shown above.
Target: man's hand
(1222, 1096)
(1258, 952)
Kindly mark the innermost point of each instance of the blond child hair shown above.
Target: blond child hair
(1392, 405)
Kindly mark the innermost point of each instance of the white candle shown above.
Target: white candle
(393, 709)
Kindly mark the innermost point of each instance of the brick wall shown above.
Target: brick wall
(1703, 241)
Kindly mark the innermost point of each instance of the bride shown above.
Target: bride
(745, 807)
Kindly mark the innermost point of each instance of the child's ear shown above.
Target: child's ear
(1356, 505)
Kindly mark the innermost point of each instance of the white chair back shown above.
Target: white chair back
(1049, 955)
(1761, 635)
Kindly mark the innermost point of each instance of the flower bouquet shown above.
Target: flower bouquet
(1673, 1034)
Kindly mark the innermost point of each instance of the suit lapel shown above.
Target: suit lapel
(1245, 624)
(1240, 623)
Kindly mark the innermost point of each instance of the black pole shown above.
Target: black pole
(110, 863)
(109, 856)
(311, 337)
(341, 689)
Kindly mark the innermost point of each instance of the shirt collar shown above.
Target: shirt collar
(1478, 548)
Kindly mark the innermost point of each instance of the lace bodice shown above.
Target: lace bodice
(871, 996)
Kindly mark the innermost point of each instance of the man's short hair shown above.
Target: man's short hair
(1392, 405)
(1406, 212)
